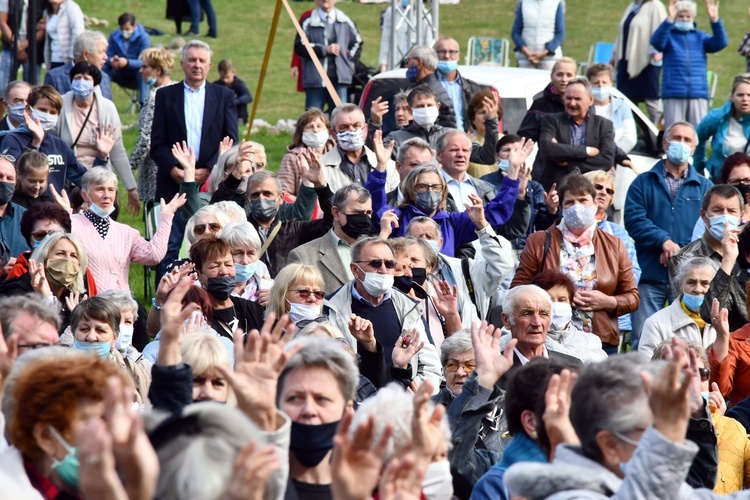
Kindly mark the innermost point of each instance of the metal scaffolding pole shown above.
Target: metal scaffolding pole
(417, 22)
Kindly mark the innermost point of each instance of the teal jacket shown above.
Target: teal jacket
(715, 125)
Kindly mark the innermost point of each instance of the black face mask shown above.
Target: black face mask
(419, 275)
(6, 192)
(310, 443)
(403, 283)
(744, 189)
(357, 225)
(221, 286)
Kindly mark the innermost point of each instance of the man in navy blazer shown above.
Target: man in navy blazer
(90, 46)
(195, 111)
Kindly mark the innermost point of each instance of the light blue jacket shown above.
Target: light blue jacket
(715, 125)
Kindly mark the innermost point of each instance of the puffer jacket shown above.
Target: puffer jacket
(734, 454)
(714, 126)
(684, 74)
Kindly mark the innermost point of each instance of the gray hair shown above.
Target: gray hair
(262, 176)
(401, 95)
(195, 44)
(97, 176)
(345, 109)
(581, 80)
(41, 253)
(86, 42)
(13, 307)
(442, 143)
(317, 352)
(365, 241)
(426, 54)
(227, 159)
(341, 197)
(241, 234)
(609, 395)
(232, 210)
(429, 254)
(690, 264)
(122, 300)
(686, 5)
(220, 215)
(455, 344)
(414, 142)
(220, 433)
(408, 183)
(424, 220)
(512, 297)
(330, 329)
(668, 132)
(393, 405)
(12, 86)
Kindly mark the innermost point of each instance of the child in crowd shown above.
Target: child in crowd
(242, 96)
(33, 175)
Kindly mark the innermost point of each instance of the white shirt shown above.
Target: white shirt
(523, 358)
(195, 102)
(327, 17)
(460, 191)
(735, 140)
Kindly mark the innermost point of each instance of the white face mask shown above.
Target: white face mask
(315, 140)
(377, 284)
(125, 338)
(562, 312)
(438, 482)
(425, 117)
(351, 140)
(302, 312)
(46, 120)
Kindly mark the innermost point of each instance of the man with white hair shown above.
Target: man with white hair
(420, 70)
(198, 112)
(527, 313)
(89, 46)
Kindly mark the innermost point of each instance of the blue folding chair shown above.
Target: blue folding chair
(599, 53)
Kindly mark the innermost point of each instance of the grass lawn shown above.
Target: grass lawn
(244, 27)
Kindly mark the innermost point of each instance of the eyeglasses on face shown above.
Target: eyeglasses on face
(304, 294)
(609, 191)
(421, 188)
(704, 373)
(378, 263)
(737, 182)
(452, 366)
(215, 227)
(443, 53)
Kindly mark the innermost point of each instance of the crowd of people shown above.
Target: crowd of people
(407, 306)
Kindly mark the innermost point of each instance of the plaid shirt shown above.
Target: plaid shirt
(578, 132)
(674, 183)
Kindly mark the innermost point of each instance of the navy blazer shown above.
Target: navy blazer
(168, 128)
(60, 79)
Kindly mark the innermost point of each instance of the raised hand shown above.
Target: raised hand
(39, 279)
(361, 329)
(427, 437)
(388, 222)
(518, 154)
(356, 461)
(61, 198)
(407, 346)
(225, 145)
(720, 322)
(729, 248)
(105, 138)
(177, 201)
(173, 317)
(314, 172)
(382, 153)
(556, 410)
(35, 127)
(97, 473)
(252, 467)
(712, 8)
(184, 155)
(378, 110)
(552, 200)
(257, 367)
(476, 211)
(73, 299)
(672, 9)
(490, 107)
(716, 399)
(402, 479)
(446, 298)
(491, 363)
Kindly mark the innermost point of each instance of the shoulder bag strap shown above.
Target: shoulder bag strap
(547, 239)
(270, 238)
(85, 122)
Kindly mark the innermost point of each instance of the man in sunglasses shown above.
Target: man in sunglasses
(396, 319)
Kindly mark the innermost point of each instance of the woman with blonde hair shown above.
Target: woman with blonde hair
(156, 66)
(298, 291)
(204, 352)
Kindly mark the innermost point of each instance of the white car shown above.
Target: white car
(517, 88)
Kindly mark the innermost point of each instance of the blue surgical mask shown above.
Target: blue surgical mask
(67, 468)
(717, 225)
(683, 25)
(434, 245)
(16, 113)
(446, 67)
(411, 74)
(503, 165)
(100, 348)
(99, 211)
(245, 271)
(151, 81)
(601, 94)
(692, 302)
(678, 152)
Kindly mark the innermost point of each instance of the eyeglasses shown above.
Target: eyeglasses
(39, 235)
(443, 53)
(35, 345)
(704, 373)
(215, 227)
(378, 263)
(599, 187)
(304, 294)
(452, 366)
(421, 188)
(10, 158)
(737, 182)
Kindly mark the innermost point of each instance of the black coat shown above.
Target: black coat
(531, 127)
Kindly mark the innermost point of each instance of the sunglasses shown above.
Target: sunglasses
(704, 373)
(304, 294)
(319, 320)
(378, 263)
(599, 187)
(201, 228)
(452, 366)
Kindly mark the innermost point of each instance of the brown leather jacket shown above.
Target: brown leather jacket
(614, 272)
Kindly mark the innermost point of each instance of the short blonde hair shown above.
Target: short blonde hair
(158, 58)
(602, 176)
(203, 352)
(290, 274)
